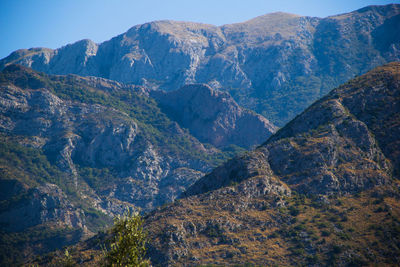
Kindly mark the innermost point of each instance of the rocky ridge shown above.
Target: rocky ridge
(76, 151)
(308, 195)
(276, 64)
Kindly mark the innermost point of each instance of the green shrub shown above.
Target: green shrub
(66, 260)
(128, 243)
(294, 211)
(325, 233)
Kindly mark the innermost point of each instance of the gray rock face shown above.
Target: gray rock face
(46, 203)
(234, 171)
(337, 145)
(75, 135)
(41, 114)
(276, 64)
(214, 117)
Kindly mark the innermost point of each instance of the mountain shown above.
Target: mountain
(213, 116)
(76, 151)
(323, 190)
(276, 64)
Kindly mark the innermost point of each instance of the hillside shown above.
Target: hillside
(76, 151)
(323, 190)
(276, 64)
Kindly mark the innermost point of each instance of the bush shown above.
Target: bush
(128, 243)
(336, 249)
(66, 260)
(325, 233)
(273, 235)
(294, 211)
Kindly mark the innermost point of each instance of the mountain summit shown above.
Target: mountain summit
(276, 64)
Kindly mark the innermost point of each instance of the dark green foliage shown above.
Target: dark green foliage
(213, 231)
(29, 165)
(298, 252)
(66, 260)
(95, 219)
(128, 244)
(274, 235)
(325, 233)
(97, 178)
(336, 249)
(40, 240)
(233, 150)
(294, 211)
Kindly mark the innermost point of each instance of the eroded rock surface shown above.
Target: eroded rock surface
(214, 117)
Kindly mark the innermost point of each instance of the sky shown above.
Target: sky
(54, 23)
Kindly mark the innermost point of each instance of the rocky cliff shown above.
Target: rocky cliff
(276, 64)
(213, 116)
(79, 134)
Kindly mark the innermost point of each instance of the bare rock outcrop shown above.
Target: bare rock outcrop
(214, 117)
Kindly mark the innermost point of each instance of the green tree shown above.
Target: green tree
(128, 242)
(65, 260)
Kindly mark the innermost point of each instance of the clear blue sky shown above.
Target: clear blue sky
(54, 23)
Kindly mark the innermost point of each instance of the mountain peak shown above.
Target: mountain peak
(274, 17)
(264, 62)
(277, 25)
(379, 8)
(179, 29)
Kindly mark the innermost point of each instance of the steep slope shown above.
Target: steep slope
(322, 190)
(76, 151)
(347, 141)
(276, 64)
(213, 116)
(84, 123)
